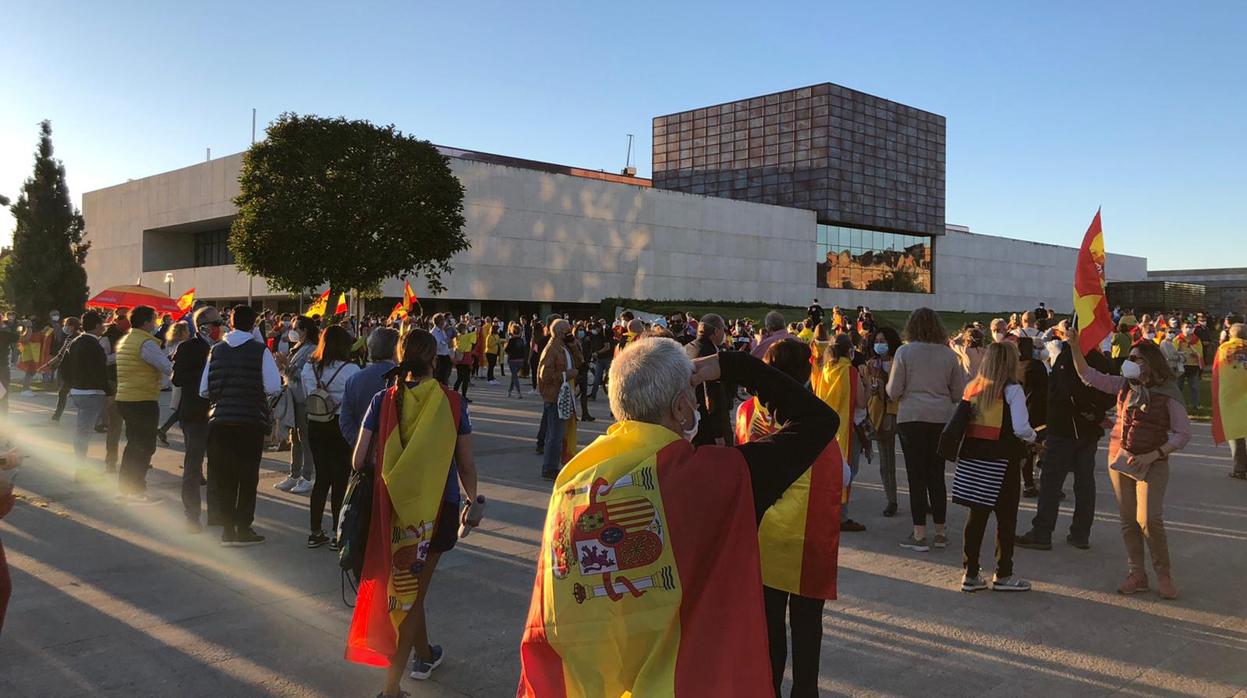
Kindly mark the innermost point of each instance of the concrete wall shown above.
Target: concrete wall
(535, 236)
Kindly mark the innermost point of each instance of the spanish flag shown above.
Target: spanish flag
(1229, 392)
(409, 296)
(835, 381)
(399, 311)
(648, 580)
(416, 444)
(319, 306)
(799, 536)
(341, 307)
(185, 302)
(986, 422)
(1095, 322)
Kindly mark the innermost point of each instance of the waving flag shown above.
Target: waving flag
(1229, 392)
(409, 296)
(185, 302)
(399, 311)
(1095, 322)
(319, 305)
(341, 308)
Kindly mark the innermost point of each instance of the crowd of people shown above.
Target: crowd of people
(760, 427)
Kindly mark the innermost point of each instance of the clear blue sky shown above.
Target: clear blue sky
(1053, 108)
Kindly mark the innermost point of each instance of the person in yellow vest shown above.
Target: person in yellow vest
(141, 364)
(1192, 351)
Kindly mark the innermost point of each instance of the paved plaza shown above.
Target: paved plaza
(115, 601)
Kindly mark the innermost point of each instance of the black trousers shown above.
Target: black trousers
(582, 391)
(1006, 523)
(332, 456)
(1064, 455)
(533, 361)
(141, 419)
(924, 468)
(196, 437)
(234, 452)
(463, 378)
(492, 360)
(805, 616)
(441, 369)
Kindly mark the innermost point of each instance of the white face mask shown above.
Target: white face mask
(998, 336)
(691, 433)
(1131, 371)
(293, 335)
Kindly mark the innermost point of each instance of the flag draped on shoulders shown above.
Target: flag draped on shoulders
(1229, 392)
(648, 580)
(986, 420)
(799, 536)
(1095, 321)
(835, 381)
(415, 442)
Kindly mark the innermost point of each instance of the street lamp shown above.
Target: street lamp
(169, 283)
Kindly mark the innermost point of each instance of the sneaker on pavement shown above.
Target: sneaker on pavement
(423, 668)
(247, 536)
(143, 499)
(915, 544)
(1133, 584)
(333, 543)
(1239, 476)
(940, 541)
(1033, 540)
(286, 484)
(301, 487)
(1165, 587)
(228, 537)
(1080, 543)
(972, 584)
(890, 510)
(1030, 492)
(1011, 583)
(317, 539)
(852, 526)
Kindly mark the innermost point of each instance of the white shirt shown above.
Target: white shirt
(1016, 397)
(272, 378)
(334, 385)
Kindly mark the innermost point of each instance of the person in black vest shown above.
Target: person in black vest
(85, 371)
(240, 375)
(189, 361)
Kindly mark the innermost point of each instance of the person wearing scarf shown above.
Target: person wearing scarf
(648, 582)
(799, 538)
(1152, 423)
(838, 383)
(416, 435)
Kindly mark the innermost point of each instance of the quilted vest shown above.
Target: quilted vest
(137, 380)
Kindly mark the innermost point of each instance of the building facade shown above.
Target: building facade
(845, 205)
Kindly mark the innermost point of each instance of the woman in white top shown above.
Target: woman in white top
(304, 338)
(324, 380)
(989, 465)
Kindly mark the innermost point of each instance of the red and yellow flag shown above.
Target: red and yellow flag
(1229, 392)
(1095, 322)
(341, 308)
(835, 381)
(319, 305)
(637, 592)
(186, 301)
(415, 446)
(799, 536)
(409, 296)
(399, 311)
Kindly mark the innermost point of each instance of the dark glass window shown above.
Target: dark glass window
(868, 260)
(212, 248)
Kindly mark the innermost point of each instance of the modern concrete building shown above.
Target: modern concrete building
(841, 200)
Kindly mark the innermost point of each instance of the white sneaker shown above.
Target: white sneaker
(286, 484)
(28, 393)
(303, 487)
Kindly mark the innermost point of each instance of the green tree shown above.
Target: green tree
(345, 203)
(48, 251)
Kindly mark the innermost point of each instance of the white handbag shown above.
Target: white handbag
(566, 402)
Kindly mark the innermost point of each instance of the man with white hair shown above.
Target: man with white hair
(774, 330)
(649, 577)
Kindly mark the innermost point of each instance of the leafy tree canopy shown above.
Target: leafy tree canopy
(345, 203)
(45, 271)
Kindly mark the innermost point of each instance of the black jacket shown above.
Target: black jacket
(1035, 385)
(1075, 410)
(188, 367)
(713, 400)
(86, 365)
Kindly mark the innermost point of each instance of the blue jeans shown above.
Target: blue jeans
(601, 368)
(516, 365)
(1189, 382)
(554, 431)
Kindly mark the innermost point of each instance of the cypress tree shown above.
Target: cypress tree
(46, 270)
